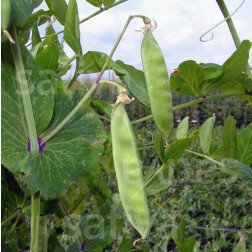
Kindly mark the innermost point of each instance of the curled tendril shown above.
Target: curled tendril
(212, 35)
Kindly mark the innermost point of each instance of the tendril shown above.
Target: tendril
(225, 19)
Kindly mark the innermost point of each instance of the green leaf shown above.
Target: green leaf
(162, 180)
(247, 82)
(47, 60)
(96, 3)
(58, 8)
(71, 29)
(125, 244)
(229, 137)
(135, 81)
(14, 131)
(178, 233)
(103, 106)
(230, 71)
(205, 134)
(244, 172)
(20, 11)
(182, 128)
(92, 62)
(35, 35)
(244, 145)
(176, 150)
(159, 146)
(240, 247)
(189, 78)
(188, 244)
(73, 152)
(108, 3)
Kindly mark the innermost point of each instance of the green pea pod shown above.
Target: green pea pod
(128, 171)
(5, 14)
(158, 84)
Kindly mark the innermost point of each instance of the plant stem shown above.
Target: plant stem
(91, 90)
(231, 27)
(68, 62)
(155, 174)
(113, 84)
(71, 82)
(30, 121)
(24, 91)
(193, 102)
(104, 118)
(35, 214)
(204, 156)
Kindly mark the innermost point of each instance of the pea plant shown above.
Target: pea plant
(66, 155)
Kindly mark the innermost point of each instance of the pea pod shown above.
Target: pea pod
(158, 84)
(5, 14)
(128, 170)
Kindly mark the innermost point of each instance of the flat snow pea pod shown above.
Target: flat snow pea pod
(158, 84)
(128, 170)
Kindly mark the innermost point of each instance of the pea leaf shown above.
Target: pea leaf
(178, 233)
(188, 244)
(205, 134)
(108, 3)
(135, 81)
(20, 11)
(71, 153)
(35, 35)
(92, 62)
(159, 146)
(102, 106)
(176, 150)
(71, 29)
(96, 3)
(182, 128)
(240, 247)
(58, 8)
(230, 71)
(189, 78)
(244, 172)
(229, 137)
(14, 131)
(244, 145)
(159, 180)
(47, 60)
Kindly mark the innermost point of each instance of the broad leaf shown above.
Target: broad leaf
(92, 62)
(159, 146)
(47, 60)
(244, 146)
(178, 233)
(135, 81)
(182, 128)
(126, 243)
(240, 247)
(159, 180)
(102, 106)
(14, 131)
(20, 11)
(96, 3)
(35, 35)
(176, 150)
(71, 153)
(188, 244)
(189, 78)
(108, 3)
(205, 134)
(229, 137)
(230, 71)
(244, 172)
(71, 29)
(58, 8)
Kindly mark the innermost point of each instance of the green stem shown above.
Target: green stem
(193, 102)
(231, 27)
(35, 214)
(206, 157)
(113, 84)
(104, 118)
(30, 121)
(71, 82)
(155, 174)
(9, 218)
(91, 90)
(24, 91)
